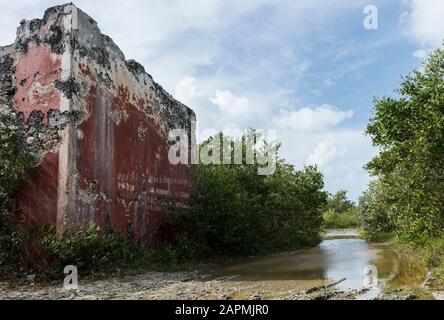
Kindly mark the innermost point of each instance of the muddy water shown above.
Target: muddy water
(342, 255)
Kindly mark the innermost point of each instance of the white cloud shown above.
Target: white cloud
(325, 152)
(340, 154)
(187, 90)
(308, 119)
(424, 22)
(230, 104)
(329, 82)
(420, 54)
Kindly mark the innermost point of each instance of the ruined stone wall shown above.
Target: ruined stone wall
(99, 124)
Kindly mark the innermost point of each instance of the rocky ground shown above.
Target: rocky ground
(186, 286)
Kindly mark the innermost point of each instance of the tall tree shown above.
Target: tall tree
(409, 130)
(339, 202)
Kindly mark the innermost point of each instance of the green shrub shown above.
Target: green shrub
(340, 212)
(374, 210)
(345, 220)
(234, 211)
(434, 254)
(14, 162)
(419, 259)
(39, 250)
(377, 237)
(14, 159)
(409, 131)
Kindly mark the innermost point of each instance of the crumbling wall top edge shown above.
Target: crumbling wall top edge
(85, 37)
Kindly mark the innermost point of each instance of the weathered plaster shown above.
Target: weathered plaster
(99, 124)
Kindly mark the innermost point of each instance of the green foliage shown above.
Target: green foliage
(340, 212)
(345, 220)
(374, 211)
(40, 251)
(421, 258)
(234, 211)
(376, 237)
(409, 131)
(339, 202)
(433, 254)
(14, 160)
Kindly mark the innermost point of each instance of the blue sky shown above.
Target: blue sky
(306, 68)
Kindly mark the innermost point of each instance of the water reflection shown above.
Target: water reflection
(341, 255)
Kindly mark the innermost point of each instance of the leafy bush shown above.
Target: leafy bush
(374, 210)
(40, 251)
(421, 258)
(339, 202)
(376, 237)
(344, 220)
(409, 130)
(14, 159)
(434, 254)
(234, 211)
(340, 212)
(14, 162)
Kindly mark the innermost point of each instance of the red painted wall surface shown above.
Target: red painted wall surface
(36, 201)
(36, 72)
(111, 168)
(130, 176)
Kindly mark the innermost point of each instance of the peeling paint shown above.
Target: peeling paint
(119, 115)
(98, 122)
(141, 132)
(88, 197)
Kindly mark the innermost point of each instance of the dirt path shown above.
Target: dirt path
(181, 286)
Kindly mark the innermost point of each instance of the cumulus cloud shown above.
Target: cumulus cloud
(230, 103)
(340, 155)
(312, 119)
(424, 22)
(187, 90)
(420, 54)
(325, 152)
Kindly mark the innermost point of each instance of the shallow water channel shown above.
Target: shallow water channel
(341, 255)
